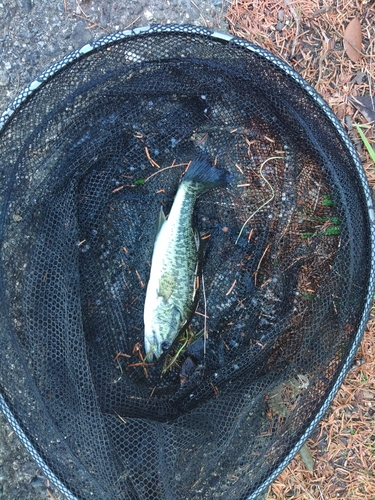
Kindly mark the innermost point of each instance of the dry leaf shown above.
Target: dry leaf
(365, 106)
(353, 40)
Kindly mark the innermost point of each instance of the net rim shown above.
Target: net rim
(323, 106)
(12, 421)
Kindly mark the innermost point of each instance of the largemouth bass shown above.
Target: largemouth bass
(171, 295)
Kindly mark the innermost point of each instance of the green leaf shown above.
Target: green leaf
(307, 458)
(365, 142)
(333, 230)
(327, 201)
(306, 235)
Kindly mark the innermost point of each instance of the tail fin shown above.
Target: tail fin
(202, 171)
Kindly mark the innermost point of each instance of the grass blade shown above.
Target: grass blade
(365, 142)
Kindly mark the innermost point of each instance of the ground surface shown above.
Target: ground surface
(33, 35)
(309, 35)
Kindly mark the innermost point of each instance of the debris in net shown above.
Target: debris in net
(174, 165)
(153, 162)
(267, 201)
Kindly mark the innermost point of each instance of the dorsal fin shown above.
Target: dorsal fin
(161, 220)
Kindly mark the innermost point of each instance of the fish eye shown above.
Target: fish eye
(165, 345)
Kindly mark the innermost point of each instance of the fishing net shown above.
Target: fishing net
(89, 153)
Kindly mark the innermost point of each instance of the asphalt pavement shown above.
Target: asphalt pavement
(33, 35)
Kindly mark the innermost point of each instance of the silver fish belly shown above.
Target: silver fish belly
(171, 291)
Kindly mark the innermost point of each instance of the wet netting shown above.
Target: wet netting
(89, 153)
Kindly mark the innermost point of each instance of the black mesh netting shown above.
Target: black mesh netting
(87, 159)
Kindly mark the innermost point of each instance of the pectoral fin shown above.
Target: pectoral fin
(197, 239)
(161, 220)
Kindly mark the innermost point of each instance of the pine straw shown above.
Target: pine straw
(344, 444)
(310, 38)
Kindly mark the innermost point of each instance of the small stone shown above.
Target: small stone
(359, 77)
(4, 78)
(148, 15)
(26, 5)
(80, 34)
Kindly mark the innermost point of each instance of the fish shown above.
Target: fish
(172, 289)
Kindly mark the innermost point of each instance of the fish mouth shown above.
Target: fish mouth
(155, 349)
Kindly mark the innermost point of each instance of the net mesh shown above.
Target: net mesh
(86, 162)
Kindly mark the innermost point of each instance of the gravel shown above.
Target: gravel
(36, 33)
(33, 35)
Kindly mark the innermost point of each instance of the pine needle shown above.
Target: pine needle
(266, 202)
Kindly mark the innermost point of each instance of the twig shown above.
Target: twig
(166, 168)
(303, 488)
(152, 393)
(317, 199)
(142, 363)
(195, 5)
(296, 18)
(50, 494)
(153, 162)
(121, 355)
(140, 279)
(266, 202)
(239, 168)
(205, 334)
(119, 416)
(323, 10)
(215, 389)
(201, 314)
(137, 349)
(231, 288)
(259, 263)
(369, 80)
(323, 56)
(133, 22)
(88, 20)
(179, 351)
